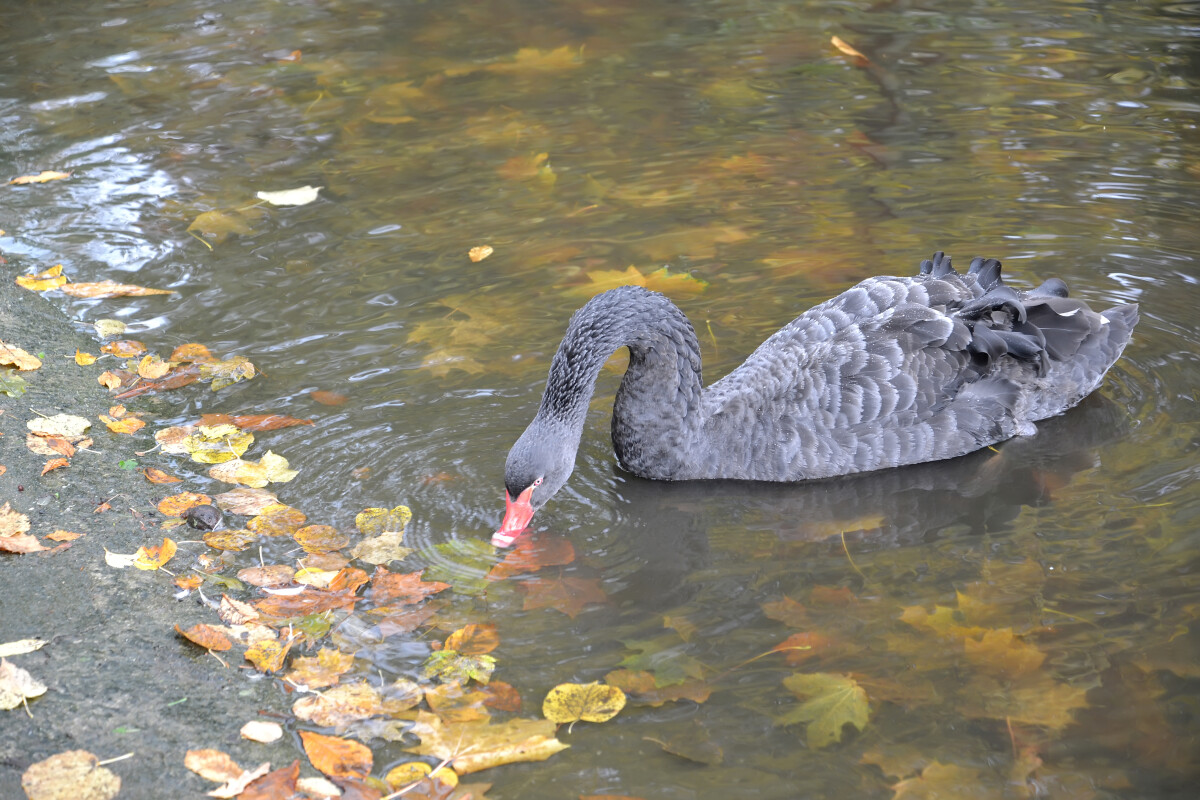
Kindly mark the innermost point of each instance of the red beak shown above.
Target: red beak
(517, 514)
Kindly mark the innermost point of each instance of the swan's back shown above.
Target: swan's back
(899, 371)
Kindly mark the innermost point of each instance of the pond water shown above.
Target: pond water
(1023, 621)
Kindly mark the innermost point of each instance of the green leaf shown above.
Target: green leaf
(663, 658)
(462, 563)
(833, 701)
(453, 666)
(11, 383)
(129, 463)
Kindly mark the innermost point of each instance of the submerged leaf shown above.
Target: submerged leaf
(479, 745)
(833, 702)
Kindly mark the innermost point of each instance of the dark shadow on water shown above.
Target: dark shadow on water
(664, 531)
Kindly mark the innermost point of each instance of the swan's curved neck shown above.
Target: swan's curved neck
(658, 406)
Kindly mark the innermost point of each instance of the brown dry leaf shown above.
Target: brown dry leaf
(218, 225)
(151, 367)
(328, 398)
(246, 501)
(270, 575)
(264, 422)
(389, 587)
(177, 504)
(109, 380)
(43, 281)
(474, 639)
(230, 540)
(643, 689)
(309, 601)
(857, 58)
(151, 558)
(73, 775)
(477, 745)
(479, 253)
(13, 536)
(55, 463)
(323, 669)
(337, 757)
(340, 705)
(128, 425)
(530, 61)
(48, 445)
(176, 378)
(532, 554)
(208, 637)
(63, 536)
(106, 289)
(44, 176)
(124, 348)
(256, 785)
(268, 655)
(277, 520)
(11, 355)
(158, 476)
(235, 612)
(212, 765)
(321, 538)
(568, 595)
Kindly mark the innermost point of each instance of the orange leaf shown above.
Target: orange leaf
(158, 476)
(206, 636)
(63, 536)
(273, 785)
(858, 58)
(42, 177)
(799, 647)
(189, 582)
(176, 378)
(568, 595)
(268, 655)
(109, 380)
(176, 504)
(43, 281)
(191, 352)
(150, 558)
(474, 639)
(128, 425)
(124, 348)
(337, 757)
(310, 601)
(328, 398)
(83, 359)
(104, 289)
(387, 587)
(320, 538)
(277, 520)
(267, 422)
(55, 463)
(532, 554)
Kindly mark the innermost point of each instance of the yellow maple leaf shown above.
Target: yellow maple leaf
(151, 558)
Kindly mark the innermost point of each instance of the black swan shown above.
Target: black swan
(893, 371)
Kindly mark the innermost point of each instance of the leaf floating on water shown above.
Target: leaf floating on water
(477, 254)
(374, 521)
(479, 745)
(569, 703)
(124, 348)
(231, 540)
(323, 669)
(107, 289)
(11, 355)
(340, 705)
(452, 666)
(73, 774)
(474, 639)
(321, 538)
(43, 281)
(84, 359)
(857, 58)
(278, 520)
(108, 327)
(45, 176)
(291, 197)
(155, 475)
(833, 702)
(267, 655)
(246, 502)
(328, 398)
(177, 504)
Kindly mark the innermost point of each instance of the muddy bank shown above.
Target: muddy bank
(120, 680)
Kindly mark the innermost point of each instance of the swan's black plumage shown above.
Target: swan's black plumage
(893, 371)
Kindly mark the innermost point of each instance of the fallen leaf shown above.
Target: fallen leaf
(21, 647)
(454, 703)
(84, 359)
(291, 197)
(177, 504)
(479, 745)
(109, 379)
(382, 549)
(13, 536)
(17, 686)
(212, 765)
(158, 476)
(833, 702)
(568, 595)
(449, 665)
(532, 554)
(328, 398)
(151, 558)
(230, 540)
(788, 611)
(323, 669)
(277, 520)
(321, 538)
(272, 468)
(69, 426)
(937, 781)
(693, 744)
(257, 730)
(375, 521)
(388, 587)
(267, 655)
(269, 575)
(245, 501)
(661, 280)
(63, 536)
(858, 58)
(118, 560)
(642, 688)
(108, 289)
(218, 225)
(192, 351)
(479, 253)
(55, 463)
(11, 355)
(340, 705)
(531, 61)
(75, 774)
(42, 177)
(208, 637)
(128, 425)
(108, 327)
(152, 367)
(43, 281)
(240, 785)
(474, 639)
(590, 702)
(337, 757)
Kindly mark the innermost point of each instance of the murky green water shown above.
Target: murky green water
(731, 143)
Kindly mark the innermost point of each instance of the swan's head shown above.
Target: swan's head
(537, 467)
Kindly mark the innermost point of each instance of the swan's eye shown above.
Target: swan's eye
(537, 482)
